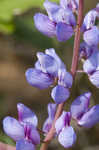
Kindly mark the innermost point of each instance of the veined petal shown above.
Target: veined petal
(90, 18)
(60, 94)
(48, 63)
(91, 37)
(64, 31)
(67, 137)
(13, 128)
(51, 52)
(65, 78)
(51, 110)
(64, 16)
(38, 79)
(50, 7)
(25, 115)
(34, 136)
(44, 25)
(71, 4)
(47, 125)
(90, 118)
(62, 121)
(92, 63)
(80, 105)
(94, 78)
(24, 145)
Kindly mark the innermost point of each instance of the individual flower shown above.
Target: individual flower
(91, 31)
(59, 22)
(24, 130)
(91, 67)
(60, 93)
(65, 132)
(84, 115)
(48, 69)
(86, 51)
(51, 115)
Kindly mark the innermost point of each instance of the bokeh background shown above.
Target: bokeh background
(19, 42)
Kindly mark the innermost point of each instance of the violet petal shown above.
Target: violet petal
(25, 115)
(67, 137)
(24, 145)
(80, 105)
(64, 31)
(60, 94)
(38, 79)
(44, 25)
(90, 118)
(13, 128)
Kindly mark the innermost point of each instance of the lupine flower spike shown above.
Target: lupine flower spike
(24, 130)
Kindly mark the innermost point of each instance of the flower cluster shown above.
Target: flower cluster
(24, 130)
(61, 21)
(50, 69)
(80, 111)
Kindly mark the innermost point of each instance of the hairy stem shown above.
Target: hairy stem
(51, 133)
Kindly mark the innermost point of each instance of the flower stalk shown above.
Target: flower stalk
(75, 59)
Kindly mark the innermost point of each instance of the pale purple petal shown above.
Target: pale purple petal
(47, 125)
(65, 78)
(13, 128)
(92, 63)
(51, 110)
(24, 145)
(60, 94)
(71, 4)
(64, 16)
(48, 63)
(80, 105)
(34, 136)
(50, 7)
(90, 18)
(91, 37)
(44, 25)
(64, 31)
(37, 65)
(62, 121)
(90, 118)
(52, 53)
(67, 137)
(94, 78)
(25, 115)
(38, 79)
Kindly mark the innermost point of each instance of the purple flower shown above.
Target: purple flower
(65, 132)
(23, 130)
(51, 114)
(91, 67)
(80, 111)
(86, 51)
(48, 69)
(91, 32)
(59, 22)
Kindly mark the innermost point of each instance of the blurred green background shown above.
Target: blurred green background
(19, 42)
